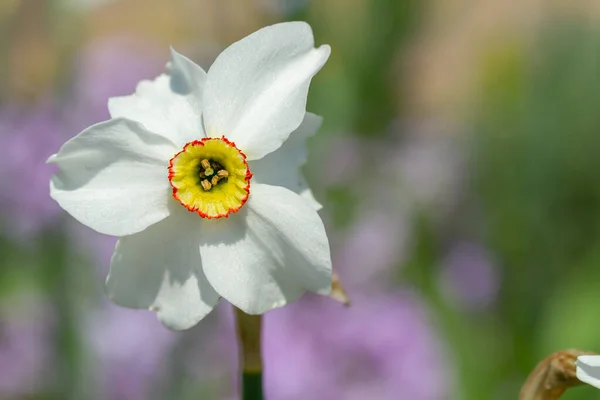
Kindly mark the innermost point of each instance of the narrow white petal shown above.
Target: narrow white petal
(113, 177)
(282, 167)
(269, 253)
(588, 370)
(170, 105)
(255, 92)
(160, 269)
(187, 77)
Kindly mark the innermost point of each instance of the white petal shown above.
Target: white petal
(282, 167)
(588, 370)
(160, 269)
(113, 177)
(255, 92)
(187, 77)
(269, 253)
(169, 105)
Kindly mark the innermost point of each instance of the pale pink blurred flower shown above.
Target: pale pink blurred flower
(372, 247)
(469, 277)
(380, 348)
(26, 327)
(131, 348)
(29, 136)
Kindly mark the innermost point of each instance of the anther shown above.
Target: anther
(206, 185)
(223, 173)
(205, 164)
(215, 180)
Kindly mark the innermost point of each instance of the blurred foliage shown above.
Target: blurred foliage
(535, 173)
(356, 90)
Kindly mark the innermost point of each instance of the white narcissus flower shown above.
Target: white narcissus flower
(196, 175)
(588, 370)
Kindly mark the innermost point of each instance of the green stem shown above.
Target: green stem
(249, 335)
(252, 386)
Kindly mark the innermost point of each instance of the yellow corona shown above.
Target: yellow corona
(210, 177)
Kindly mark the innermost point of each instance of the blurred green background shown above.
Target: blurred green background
(458, 166)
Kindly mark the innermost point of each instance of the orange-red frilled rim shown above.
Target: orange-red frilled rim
(210, 177)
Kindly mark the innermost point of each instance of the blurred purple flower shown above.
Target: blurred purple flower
(469, 277)
(29, 136)
(380, 348)
(94, 246)
(131, 347)
(371, 248)
(25, 346)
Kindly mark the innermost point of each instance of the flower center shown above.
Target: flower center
(210, 177)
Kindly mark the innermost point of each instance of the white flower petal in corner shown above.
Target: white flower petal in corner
(588, 370)
(256, 90)
(290, 158)
(112, 177)
(160, 269)
(193, 226)
(269, 255)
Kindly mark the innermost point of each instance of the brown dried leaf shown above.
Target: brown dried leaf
(552, 376)
(338, 293)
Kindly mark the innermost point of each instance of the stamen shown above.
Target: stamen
(206, 185)
(223, 173)
(215, 180)
(205, 164)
